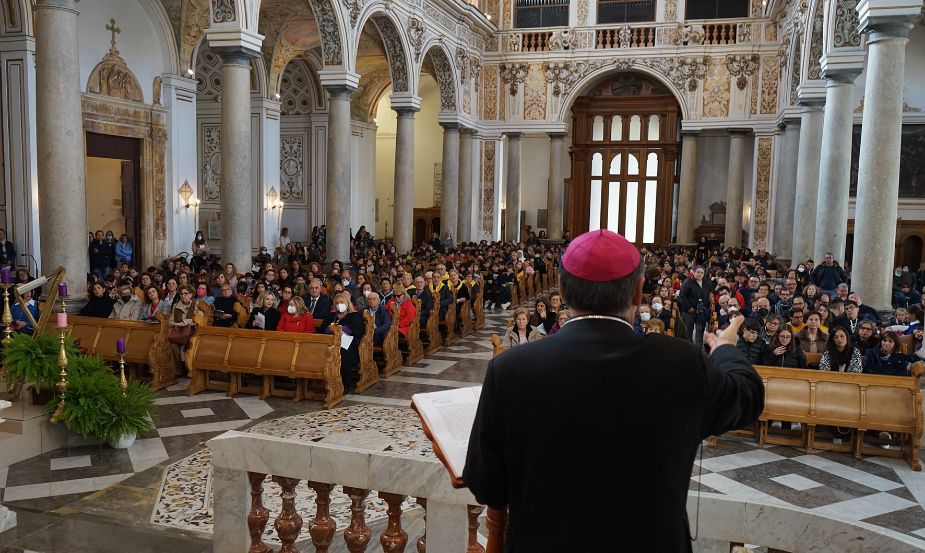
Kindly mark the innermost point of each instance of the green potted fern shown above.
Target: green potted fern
(96, 406)
(34, 361)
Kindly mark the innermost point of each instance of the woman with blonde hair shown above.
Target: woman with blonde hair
(520, 333)
(297, 318)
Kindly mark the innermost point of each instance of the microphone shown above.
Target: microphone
(30, 256)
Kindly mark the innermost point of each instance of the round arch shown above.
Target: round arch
(395, 44)
(444, 74)
(598, 76)
(333, 32)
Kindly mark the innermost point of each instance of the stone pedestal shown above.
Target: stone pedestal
(555, 198)
(807, 189)
(449, 203)
(878, 170)
(835, 164)
(237, 203)
(7, 517)
(512, 189)
(735, 188)
(60, 141)
(404, 180)
(687, 219)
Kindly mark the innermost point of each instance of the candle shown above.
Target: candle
(62, 289)
(5, 275)
(120, 346)
(62, 320)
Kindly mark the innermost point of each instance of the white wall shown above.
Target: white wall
(142, 43)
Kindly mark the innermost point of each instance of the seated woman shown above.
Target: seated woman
(21, 322)
(771, 327)
(352, 324)
(840, 354)
(152, 303)
(540, 317)
(297, 318)
(128, 306)
(784, 351)
(812, 339)
(520, 333)
(643, 315)
(227, 308)
(382, 318)
(286, 294)
(142, 284)
(264, 316)
(184, 314)
(406, 309)
(202, 293)
(886, 358)
(99, 303)
(653, 326)
(561, 318)
(217, 283)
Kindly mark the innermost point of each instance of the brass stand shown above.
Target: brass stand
(7, 316)
(123, 383)
(62, 364)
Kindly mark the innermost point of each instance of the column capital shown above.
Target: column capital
(449, 127)
(235, 55)
(841, 70)
(687, 134)
(405, 103)
(233, 40)
(739, 132)
(467, 132)
(882, 19)
(66, 5)
(812, 104)
(339, 81)
(513, 135)
(556, 135)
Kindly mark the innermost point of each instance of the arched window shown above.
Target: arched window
(616, 128)
(597, 128)
(635, 127)
(654, 129)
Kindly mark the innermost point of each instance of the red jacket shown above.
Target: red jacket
(294, 323)
(405, 314)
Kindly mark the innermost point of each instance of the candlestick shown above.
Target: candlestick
(5, 275)
(62, 320)
(7, 315)
(62, 384)
(120, 346)
(123, 383)
(62, 289)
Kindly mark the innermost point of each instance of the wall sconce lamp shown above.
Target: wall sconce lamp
(273, 201)
(186, 193)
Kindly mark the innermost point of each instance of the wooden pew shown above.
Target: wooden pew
(907, 344)
(303, 357)
(413, 339)
(496, 345)
(369, 371)
(522, 290)
(434, 339)
(389, 348)
(145, 343)
(449, 321)
(861, 402)
(478, 303)
(531, 289)
(515, 295)
(465, 316)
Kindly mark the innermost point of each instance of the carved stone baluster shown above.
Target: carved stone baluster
(600, 39)
(394, 539)
(422, 541)
(288, 524)
(474, 545)
(357, 535)
(322, 527)
(258, 516)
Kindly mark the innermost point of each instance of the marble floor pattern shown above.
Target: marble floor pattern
(93, 486)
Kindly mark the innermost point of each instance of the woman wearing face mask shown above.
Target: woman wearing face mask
(202, 294)
(352, 324)
(643, 315)
(99, 303)
(199, 245)
(365, 290)
(660, 312)
(264, 316)
(297, 318)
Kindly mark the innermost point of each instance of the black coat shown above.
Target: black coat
(520, 444)
(795, 360)
(753, 351)
(271, 317)
(691, 293)
(427, 304)
(101, 253)
(897, 364)
(98, 307)
(321, 311)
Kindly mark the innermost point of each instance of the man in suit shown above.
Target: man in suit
(422, 293)
(694, 300)
(318, 304)
(519, 446)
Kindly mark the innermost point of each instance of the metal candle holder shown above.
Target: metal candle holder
(123, 382)
(62, 364)
(7, 316)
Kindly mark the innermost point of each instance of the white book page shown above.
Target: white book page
(449, 416)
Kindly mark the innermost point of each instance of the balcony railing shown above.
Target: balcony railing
(242, 461)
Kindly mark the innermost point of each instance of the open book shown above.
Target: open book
(447, 418)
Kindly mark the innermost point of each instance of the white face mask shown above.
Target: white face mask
(342, 307)
(366, 293)
(657, 306)
(346, 281)
(645, 316)
(291, 309)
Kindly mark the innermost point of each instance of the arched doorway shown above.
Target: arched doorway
(624, 151)
(912, 252)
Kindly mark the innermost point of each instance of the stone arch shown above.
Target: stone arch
(596, 76)
(444, 74)
(395, 45)
(813, 42)
(16, 18)
(332, 31)
(299, 88)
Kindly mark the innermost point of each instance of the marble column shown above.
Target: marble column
(60, 141)
(337, 204)
(835, 164)
(512, 188)
(464, 224)
(237, 202)
(785, 190)
(878, 170)
(404, 180)
(735, 187)
(449, 198)
(807, 188)
(555, 196)
(687, 219)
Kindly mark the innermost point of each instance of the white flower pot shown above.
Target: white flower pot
(124, 442)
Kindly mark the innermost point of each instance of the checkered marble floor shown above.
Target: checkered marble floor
(879, 491)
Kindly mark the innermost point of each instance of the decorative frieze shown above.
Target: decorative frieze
(416, 36)
(292, 167)
(716, 90)
(212, 162)
(513, 75)
(742, 66)
(535, 94)
(770, 83)
(330, 32)
(814, 71)
(395, 53)
(690, 71)
(223, 11)
(763, 191)
(443, 74)
(847, 34)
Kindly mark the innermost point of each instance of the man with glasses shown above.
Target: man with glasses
(866, 336)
